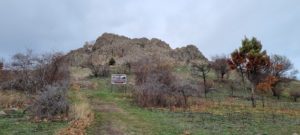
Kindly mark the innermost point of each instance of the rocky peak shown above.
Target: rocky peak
(114, 40)
(189, 52)
(124, 49)
(109, 39)
(159, 43)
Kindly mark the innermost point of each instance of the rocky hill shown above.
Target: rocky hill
(124, 49)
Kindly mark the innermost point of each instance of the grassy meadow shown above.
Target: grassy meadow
(115, 113)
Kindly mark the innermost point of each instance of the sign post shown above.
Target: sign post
(118, 79)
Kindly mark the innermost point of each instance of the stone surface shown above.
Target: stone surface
(124, 49)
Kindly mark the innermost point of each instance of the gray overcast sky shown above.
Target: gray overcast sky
(215, 26)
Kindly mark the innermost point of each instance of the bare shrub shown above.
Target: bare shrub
(277, 91)
(152, 66)
(220, 66)
(124, 68)
(295, 95)
(156, 86)
(281, 67)
(33, 72)
(183, 90)
(23, 65)
(127, 66)
(201, 69)
(51, 104)
(51, 69)
(7, 80)
(1, 68)
(98, 70)
(152, 92)
(103, 71)
(153, 80)
(234, 86)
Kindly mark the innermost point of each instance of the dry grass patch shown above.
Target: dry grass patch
(12, 99)
(77, 85)
(230, 105)
(78, 73)
(82, 117)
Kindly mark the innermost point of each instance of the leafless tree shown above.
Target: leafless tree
(281, 66)
(23, 65)
(33, 72)
(185, 89)
(1, 67)
(51, 69)
(1, 64)
(201, 69)
(220, 65)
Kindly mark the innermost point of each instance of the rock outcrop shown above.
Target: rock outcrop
(124, 49)
(187, 53)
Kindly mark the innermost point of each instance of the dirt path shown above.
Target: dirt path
(105, 107)
(106, 123)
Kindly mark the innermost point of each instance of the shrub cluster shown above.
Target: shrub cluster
(156, 86)
(43, 78)
(51, 104)
(30, 73)
(100, 70)
(295, 95)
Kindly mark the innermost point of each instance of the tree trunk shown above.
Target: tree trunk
(222, 76)
(253, 95)
(205, 89)
(274, 93)
(185, 98)
(263, 101)
(243, 79)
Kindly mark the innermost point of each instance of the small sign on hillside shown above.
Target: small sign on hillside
(118, 79)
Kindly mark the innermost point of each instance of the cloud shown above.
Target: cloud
(214, 26)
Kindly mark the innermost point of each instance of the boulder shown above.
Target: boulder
(2, 113)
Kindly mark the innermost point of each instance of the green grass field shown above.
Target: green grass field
(18, 124)
(237, 118)
(116, 114)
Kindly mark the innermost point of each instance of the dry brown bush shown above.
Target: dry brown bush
(51, 104)
(99, 70)
(31, 73)
(153, 79)
(75, 86)
(156, 86)
(295, 95)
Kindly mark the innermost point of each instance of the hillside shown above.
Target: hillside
(124, 49)
(168, 92)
